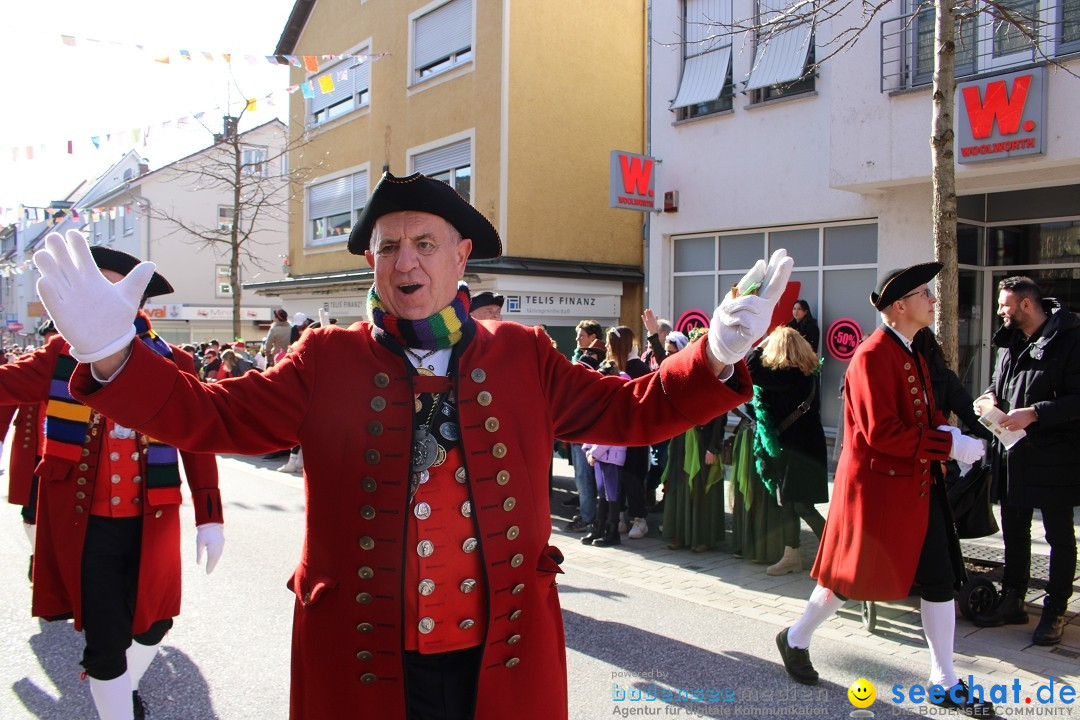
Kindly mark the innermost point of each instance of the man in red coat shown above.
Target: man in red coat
(889, 525)
(108, 541)
(426, 587)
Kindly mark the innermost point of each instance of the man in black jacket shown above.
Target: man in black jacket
(1037, 384)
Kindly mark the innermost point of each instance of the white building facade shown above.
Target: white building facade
(836, 166)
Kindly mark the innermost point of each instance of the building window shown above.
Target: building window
(450, 163)
(129, 219)
(923, 51)
(442, 39)
(253, 161)
(1069, 21)
(112, 224)
(225, 218)
(783, 54)
(350, 81)
(333, 207)
(706, 84)
(223, 288)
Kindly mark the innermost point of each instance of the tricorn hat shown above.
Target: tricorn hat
(898, 283)
(484, 298)
(107, 258)
(423, 194)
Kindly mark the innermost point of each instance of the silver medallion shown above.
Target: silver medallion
(469, 545)
(459, 475)
(426, 548)
(422, 511)
(449, 431)
(426, 625)
(424, 450)
(427, 586)
(466, 508)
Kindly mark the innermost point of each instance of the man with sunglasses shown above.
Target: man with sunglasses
(889, 526)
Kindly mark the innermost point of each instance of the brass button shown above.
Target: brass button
(80, 495)
(137, 479)
(907, 366)
(368, 484)
(498, 450)
(918, 413)
(365, 573)
(911, 378)
(467, 585)
(366, 543)
(372, 456)
(918, 402)
(365, 628)
(368, 678)
(491, 424)
(367, 512)
(364, 655)
(466, 623)
(517, 589)
(922, 494)
(79, 509)
(136, 500)
(924, 483)
(484, 398)
(85, 452)
(81, 481)
(364, 598)
(512, 532)
(515, 615)
(115, 479)
(114, 500)
(509, 503)
(503, 477)
(469, 545)
(157, 514)
(478, 375)
(378, 403)
(513, 640)
(425, 625)
(914, 390)
(891, 471)
(375, 428)
(382, 380)
(83, 467)
(517, 560)
(512, 662)
(114, 456)
(426, 586)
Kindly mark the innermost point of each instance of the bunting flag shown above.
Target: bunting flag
(251, 105)
(326, 84)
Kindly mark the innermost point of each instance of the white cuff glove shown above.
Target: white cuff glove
(967, 450)
(94, 315)
(211, 538)
(739, 321)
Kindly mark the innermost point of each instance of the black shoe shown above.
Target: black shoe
(576, 525)
(595, 533)
(138, 705)
(968, 705)
(796, 660)
(1009, 610)
(572, 502)
(30, 571)
(276, 455)
(1050, 628)
(607, 540)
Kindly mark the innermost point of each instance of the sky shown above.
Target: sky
(56, 91)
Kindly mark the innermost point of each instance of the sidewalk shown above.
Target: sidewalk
(732, 585)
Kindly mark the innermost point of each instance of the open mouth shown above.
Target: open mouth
(408, 289)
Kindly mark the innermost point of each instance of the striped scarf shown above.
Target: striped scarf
(437, 332)
(67, 421)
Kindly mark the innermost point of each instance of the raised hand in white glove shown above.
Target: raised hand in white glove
(94, 315)
(967, 450)
(324, 317)
(744, 315)
(211, 538)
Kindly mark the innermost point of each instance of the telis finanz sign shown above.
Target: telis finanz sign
(1001, 117)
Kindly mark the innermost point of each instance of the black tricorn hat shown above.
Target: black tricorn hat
(898, 283)
(487, 297)
(107, 258)
(423, 194)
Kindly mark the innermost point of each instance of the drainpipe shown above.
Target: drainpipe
(647, 228)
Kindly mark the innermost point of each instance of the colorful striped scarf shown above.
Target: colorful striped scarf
(437, 332)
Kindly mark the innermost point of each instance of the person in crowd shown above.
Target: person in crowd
(620, 352)
(789, 439)
(451, 606)
(1036, 383)
(693, 482)
(589, 351)
(300, 323)
(211, 364)
(657, 330)
(607, 461)
(889, 526)
(803, 322)
(277, 337)
(108, 540)
(486, 305)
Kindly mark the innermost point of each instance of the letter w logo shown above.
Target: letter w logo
(998, 104)
(636, 173)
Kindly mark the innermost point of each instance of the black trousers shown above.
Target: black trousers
(442, 686)
(29, 512)
(110, 581)
(1060, 535)
(936, 574)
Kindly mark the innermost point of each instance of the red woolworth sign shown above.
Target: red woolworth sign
(1002, 117)
(842, 337)
(632, 181)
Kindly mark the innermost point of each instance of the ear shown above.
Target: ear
(370, 256)
(463, 250)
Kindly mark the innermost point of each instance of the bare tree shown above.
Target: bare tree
(259, 186)
(1016, 17)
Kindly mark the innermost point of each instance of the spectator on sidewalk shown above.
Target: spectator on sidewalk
(803, 322)
(607, 463)
(589, 351)
(277, 337)
(486, 305)
(889, 527)
(1036, 382)
(621, 352)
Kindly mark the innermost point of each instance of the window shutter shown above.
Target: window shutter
(357, 80)
(782, 58)
(441, 159)
(442, 32)
(703, 78)
(330, 198)
(359, 190)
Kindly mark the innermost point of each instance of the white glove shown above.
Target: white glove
(209, 537)
(739, 321)
(94, 315)
(324, 317)
(967, 450)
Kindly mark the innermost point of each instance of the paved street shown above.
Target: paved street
(641, 620)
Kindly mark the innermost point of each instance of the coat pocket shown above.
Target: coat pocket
(892, 466)
(309, 585)
(53, 469)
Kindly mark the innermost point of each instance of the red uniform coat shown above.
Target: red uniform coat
(64, 499)
(26, 438)
(881, 492)
(346, 396)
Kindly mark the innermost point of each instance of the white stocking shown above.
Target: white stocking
(139, 657)
(821, 606)
(113, 698)
(31, 535)
(939, 625)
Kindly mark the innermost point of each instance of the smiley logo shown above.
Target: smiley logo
(862, 693)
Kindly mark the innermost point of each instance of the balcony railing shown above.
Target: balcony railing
(986, 41)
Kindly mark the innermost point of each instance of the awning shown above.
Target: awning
(782, 58)
(703, 78)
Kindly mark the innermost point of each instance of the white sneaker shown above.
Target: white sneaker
(639, 529)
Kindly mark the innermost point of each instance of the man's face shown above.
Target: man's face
(919, 305)
(1013, 310)
(487, 312)
(584, 339)
(417, 263)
